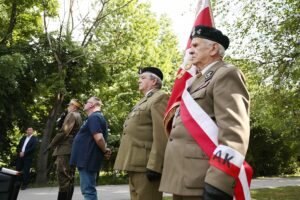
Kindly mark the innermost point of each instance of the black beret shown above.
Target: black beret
(210, 33)
(152, 70)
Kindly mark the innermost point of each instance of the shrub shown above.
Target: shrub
(270, 154)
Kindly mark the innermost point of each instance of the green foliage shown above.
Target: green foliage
(265, 42)
(37, 69)
(112, 178)
(11, 67)
(270, 154)
(138, 40)
(123, 37)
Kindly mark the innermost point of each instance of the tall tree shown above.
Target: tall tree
(20, 23)
(265, 37)
(139, 40)
(98, 50)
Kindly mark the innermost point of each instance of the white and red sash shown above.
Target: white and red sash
(204, 130)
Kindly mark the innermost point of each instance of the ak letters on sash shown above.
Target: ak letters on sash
(204, 130)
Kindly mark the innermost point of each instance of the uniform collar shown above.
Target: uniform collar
(203, 71)
(151, 92)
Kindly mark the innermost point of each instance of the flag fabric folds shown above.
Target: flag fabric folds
(186, 70)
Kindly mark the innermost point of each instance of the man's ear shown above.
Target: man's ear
(215, 49)
(154, 81)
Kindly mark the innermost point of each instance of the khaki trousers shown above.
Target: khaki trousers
(141, 188)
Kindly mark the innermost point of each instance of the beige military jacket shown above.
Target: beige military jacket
(144, 140)
(222, 93)
(62, 142)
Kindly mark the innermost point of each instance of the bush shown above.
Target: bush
(112, 178)
(270, 154)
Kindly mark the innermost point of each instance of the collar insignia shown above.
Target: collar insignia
(209, 75)
(149, 94)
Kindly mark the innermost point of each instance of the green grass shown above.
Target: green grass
(281, 193)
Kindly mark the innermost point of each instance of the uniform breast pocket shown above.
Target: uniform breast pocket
(136, 113)
(199, 94)
(141, 109)
(143, 114)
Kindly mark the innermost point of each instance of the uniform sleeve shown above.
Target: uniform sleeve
(156, 156)
(231, 107)
(57, 138)
(69, 123)
(65, 130)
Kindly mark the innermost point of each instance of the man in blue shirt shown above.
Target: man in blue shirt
(89, 148)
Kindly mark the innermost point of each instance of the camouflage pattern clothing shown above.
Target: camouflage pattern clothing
(62, 142)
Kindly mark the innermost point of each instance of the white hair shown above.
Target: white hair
(221, 48)
(153, 76)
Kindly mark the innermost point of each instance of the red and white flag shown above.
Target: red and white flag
(186, 70)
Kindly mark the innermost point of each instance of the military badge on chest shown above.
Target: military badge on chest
(207, 77)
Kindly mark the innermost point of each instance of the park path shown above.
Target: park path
(121, 192)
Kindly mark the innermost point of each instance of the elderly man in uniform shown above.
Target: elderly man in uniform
(142, 147)
(62, 142)
(220, 90)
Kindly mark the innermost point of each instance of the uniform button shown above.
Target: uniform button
(171, 139)
(173, 126)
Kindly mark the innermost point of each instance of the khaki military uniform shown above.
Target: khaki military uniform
(62, 142)
(222, 94)
(143, 145)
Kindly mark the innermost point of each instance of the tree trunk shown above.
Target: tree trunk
(12, 23)
(42, 161)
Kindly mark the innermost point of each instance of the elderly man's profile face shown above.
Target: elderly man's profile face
(199, 52)
(145, 82)
(203, 52)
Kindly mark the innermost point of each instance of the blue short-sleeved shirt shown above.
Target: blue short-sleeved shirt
(85, 152)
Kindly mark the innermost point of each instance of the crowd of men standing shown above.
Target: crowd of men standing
(157, 162)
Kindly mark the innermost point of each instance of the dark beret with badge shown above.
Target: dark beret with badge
(210, 33)
(153, 70)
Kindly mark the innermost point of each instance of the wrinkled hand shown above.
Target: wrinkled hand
(212, 193)
(107, 153)
(152, 175)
